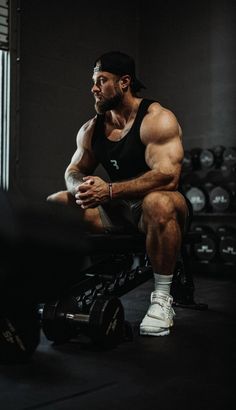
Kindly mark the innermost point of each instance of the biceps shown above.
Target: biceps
(164, 158)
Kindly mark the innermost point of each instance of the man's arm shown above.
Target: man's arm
(82, 162)
(162, 135)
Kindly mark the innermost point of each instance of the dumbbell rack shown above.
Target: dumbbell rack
(212, 171)
(216, 266)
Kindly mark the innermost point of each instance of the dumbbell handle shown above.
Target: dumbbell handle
(77, 317)
(73, 317)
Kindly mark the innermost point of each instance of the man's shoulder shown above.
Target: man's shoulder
(155, 108)
(159, 121)
(86, 131)
(87, 127)
(90, 124)
(158, 113)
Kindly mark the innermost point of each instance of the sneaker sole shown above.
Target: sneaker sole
(161, 333)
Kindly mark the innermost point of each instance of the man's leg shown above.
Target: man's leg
(163, 220)
(91, 216)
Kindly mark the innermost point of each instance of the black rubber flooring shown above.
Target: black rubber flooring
(192, 368)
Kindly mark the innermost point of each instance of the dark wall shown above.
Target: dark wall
(191, 65)
(59, 41)
(184, 53)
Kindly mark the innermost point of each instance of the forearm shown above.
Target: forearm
(73, 179)
(139, 187)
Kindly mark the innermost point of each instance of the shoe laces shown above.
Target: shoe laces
(164, 301)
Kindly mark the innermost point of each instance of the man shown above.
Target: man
(139, 143)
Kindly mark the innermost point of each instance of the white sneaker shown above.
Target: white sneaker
(159, 317)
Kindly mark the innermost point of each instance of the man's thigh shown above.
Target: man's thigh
(121, 215)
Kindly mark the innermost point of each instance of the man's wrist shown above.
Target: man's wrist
(72, 188)
(73, 180)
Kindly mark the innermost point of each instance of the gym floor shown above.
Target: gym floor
(192, 368)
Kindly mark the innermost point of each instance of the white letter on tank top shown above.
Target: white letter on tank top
(114, 163)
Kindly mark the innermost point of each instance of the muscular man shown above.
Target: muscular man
(139, 144)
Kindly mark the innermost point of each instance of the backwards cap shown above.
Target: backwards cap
(118, 63)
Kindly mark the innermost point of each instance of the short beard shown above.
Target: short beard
(110, 104)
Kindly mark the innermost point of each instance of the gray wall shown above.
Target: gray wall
(184, 53)
(191, 66)
(59, 42)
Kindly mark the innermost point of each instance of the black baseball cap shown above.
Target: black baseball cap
(119, 63)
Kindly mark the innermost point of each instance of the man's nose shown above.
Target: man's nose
(95, 89)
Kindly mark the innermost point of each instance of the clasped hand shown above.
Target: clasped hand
(92, 192)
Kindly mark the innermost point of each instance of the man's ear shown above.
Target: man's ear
(125, 81)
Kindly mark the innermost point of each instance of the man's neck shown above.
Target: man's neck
(122, 115)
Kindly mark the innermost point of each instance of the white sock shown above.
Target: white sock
(163, 282)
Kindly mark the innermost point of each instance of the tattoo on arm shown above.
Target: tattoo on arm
(73, 180)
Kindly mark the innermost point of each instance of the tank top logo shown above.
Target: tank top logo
(114, 163)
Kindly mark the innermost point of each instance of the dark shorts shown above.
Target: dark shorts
(121, 215)
(124, 215)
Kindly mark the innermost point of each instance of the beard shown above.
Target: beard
(108, 104)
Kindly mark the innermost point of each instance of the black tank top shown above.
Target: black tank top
(122, 159)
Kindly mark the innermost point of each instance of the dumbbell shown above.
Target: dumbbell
(211, 157)
(103, 323)
(206, 250)
(218, 151)
(207, 159)
(197, 197)
(229, 157)
(219, 199)
(227, 244)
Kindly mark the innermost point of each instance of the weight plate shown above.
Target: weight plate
(106, 322)
(207, 158)
(54, 324)
(219, 199)
(206, 249)
(229, 156)
(197, 198)
(227, 249)
(19, 338)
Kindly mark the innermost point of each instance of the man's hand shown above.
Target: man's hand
(92, 192)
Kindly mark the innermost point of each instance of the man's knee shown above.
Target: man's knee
(61, 196)
(158, 207)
